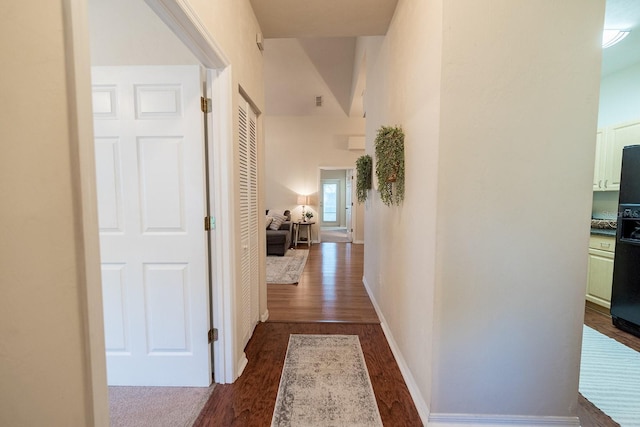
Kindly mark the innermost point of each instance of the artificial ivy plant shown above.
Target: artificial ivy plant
(364, 168)
(389, 145)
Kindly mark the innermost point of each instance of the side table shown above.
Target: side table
(306, 226)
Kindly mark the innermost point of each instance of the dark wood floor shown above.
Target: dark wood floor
(250, 400)
(590, 416)
(330, 299)
(330, 289)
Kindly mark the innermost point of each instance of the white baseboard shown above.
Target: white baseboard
(264, 316)
(242, 363)
(416, 395)
(466, 420)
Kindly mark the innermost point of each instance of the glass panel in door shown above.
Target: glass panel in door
(330, 202)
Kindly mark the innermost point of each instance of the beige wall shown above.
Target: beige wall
(46, 375)
(52, 369)
(233, 25)
(482, 291)
(126, 32)
(295, 148)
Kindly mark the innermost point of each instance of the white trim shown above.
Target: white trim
(348, 170)
(220, 175)
(242, 363)
(418, 399)
(358, 242)
(466, 420)
(80, 110)
(185, 23)
(351, 228)
(264, 316)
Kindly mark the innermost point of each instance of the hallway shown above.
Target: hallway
(330, 289)
(330, 299)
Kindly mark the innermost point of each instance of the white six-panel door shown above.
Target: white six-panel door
(151, 201)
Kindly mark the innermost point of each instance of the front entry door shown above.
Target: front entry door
(151, 202)
(331, 202)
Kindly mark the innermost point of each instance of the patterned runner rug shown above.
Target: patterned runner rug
(287, 269)
(325, 382)
(610, 377)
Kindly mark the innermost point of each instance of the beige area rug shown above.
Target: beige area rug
(325, 382)
(156, 406)
(287, 269)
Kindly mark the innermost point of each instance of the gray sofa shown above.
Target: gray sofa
(278, 241)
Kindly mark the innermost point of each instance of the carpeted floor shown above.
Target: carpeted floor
(610, 377)
(287, 269)
(156, 406)
(325, 382)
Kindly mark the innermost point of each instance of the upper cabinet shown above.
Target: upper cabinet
(600, 157)
(609, 144)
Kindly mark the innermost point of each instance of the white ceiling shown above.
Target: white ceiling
(622, 15)
(298, 70)
(310, 48)
(310, 51)
(323, 18)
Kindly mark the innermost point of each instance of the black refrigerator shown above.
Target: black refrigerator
(625, 293)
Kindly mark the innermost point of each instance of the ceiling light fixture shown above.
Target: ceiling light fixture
(611, 37)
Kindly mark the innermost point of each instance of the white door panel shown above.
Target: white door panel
(151, 202)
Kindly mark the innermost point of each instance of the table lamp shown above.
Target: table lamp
(302, 200)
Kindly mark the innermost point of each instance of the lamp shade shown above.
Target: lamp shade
(302, 200)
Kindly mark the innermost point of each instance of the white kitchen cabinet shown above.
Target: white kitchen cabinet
(600, 270)
(598, 172)
(609, 144)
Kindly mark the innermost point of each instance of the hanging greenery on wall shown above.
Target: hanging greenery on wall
(364, 168)
(389, 145)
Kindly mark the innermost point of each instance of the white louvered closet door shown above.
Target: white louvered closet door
(248, 189)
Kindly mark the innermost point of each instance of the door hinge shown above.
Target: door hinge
(205, 104)
(209, 223)
(212, 335)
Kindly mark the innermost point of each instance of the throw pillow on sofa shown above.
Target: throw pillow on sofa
(268, 221)
(278, 219)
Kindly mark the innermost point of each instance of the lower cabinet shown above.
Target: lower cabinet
(600, 273)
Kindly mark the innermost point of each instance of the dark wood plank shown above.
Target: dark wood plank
(601, 322)
(591, 416)
(330, 289)
(250, 400)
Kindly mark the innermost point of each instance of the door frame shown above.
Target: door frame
(186, 25)
(350, 172)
